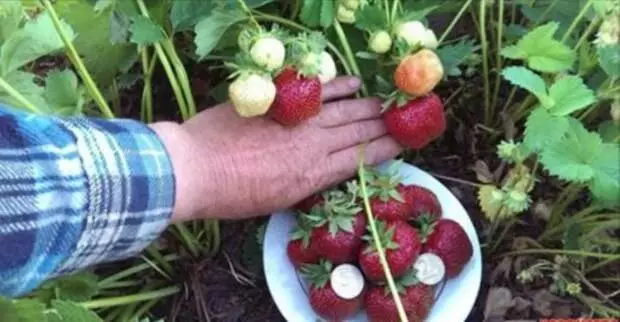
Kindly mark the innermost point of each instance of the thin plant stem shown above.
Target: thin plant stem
(133, 270)
(577, 20)
(120, 284)
(502, 235)
(188, 239)
(561, 252)
(454, 21)
(488, 112)
(18, 96)
(498, 55)
(544, 14)
(394, 9)
(168, 47)
(159, 258)
(349, 54)
(77, 61)
(513, 12)
(146, 103)
(377, 240)
(128, 299)
(599, 265)
(591, 27)
(143, 309)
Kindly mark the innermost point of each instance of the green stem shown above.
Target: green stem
(124, 300)
(120, 284)
(188, 239)
(143, 309)
(133, 270)
(349, 54)
(498, 56)
(147, 97)
(18, 96)
(377, 240)
(561, 252)
(488, 112)
(544, 14)
(577, 20)
(159, 258)
(566, 197)
(215, 236)
(292, 24)
(591, 27)
(574, 219)
(502, 235)
(600, 264)
(168, 47)
(394, 11)
(79, 65)
(454, 21)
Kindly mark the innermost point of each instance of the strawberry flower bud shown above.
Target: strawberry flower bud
(380, 42)
(345, 15)
(327, 69)
(268, 52)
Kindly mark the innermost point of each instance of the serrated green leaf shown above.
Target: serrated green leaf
(513, 32)
(609, 59)
(528, 80)
(209, 30)
(37, 38)
(144, 31)
(513, 52)
(370, 18)
(570, 157)
(570, 94)
(11, 15)
(542, 52)
(315, 13)
(543, 129)
(605, 185)
(21, 310)
(185, 14)
(62, 92)
(453, 55)
(102, 57)
(24, 83)
(79, 287)
(609, 131)
(73, 312)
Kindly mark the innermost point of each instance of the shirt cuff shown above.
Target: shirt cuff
(131, 190)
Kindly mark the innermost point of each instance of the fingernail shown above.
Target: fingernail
(354, 82)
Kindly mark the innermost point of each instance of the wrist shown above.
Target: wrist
(186, 162)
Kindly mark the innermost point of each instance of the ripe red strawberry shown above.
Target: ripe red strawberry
(417, 122)
(298, 97)
(324, 301)
(402, 247)
(299, 248)
(386, 195)
(447, 239)
(417, 300)
(423, 202)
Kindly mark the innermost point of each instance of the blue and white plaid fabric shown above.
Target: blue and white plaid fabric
(75, 192)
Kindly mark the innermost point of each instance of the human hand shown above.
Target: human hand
(233, 167)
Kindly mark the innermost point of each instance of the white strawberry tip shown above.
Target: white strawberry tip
(430, 269)
(347, 281)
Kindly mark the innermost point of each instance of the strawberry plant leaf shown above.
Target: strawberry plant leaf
(453, 55)
(513, 32)
(541, 51)
(570, 157)
(73, 312)
(185, 14)
(371, 18)
(570, 94)
(209, 30)
(24, 83)
(144, 31)
(35, 39)
(528, 80)
(62, 92)
(101, 5)
(21, 310)
(11, 15)
(543, 129)
(419, 14)
(609, 59)
(315, 13)
(605, 185)
(609, 131)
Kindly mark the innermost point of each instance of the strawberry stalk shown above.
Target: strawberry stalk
(349, 54)
(377, 241)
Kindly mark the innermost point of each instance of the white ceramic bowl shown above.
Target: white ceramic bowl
(289, 291)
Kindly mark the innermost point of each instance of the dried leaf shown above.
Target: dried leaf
(547, 304)
(483, 174)
(542, 210)
(504, 269)
(499, 301)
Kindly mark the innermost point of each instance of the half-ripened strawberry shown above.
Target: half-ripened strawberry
(323, 299)
(448, 240)
(402, 246)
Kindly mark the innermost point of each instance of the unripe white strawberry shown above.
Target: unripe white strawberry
(430, 39)
(345, 15)
(327, 69)
(412, 32)
(380, 42)
(252, 94)
(268, 52)
(351, 4)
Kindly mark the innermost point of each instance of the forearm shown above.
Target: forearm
(77, 192)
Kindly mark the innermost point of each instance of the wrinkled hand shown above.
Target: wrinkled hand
(233, 167)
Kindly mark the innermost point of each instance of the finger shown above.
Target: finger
(349, 111)
(340, 87)
(344, 163)
(346, 136)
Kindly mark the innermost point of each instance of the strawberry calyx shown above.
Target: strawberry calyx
(303, 230)
(306, 53)
(386, 237)
(384, 186)
(426, 225)
(317, 274)
(338, 211)
(243, 66)
(396, 99)
(405, 281)
(251, 34)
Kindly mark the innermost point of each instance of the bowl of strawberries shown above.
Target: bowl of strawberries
(328, 258)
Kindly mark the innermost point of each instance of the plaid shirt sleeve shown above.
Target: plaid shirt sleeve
(75, 192)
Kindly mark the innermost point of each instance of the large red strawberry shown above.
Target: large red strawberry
(447, 239)
(417, 122)
(386, 194)
(423, 202)
(299, 248)
(402, 246)
(298, 97)
(417, 300)
(323, 299)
